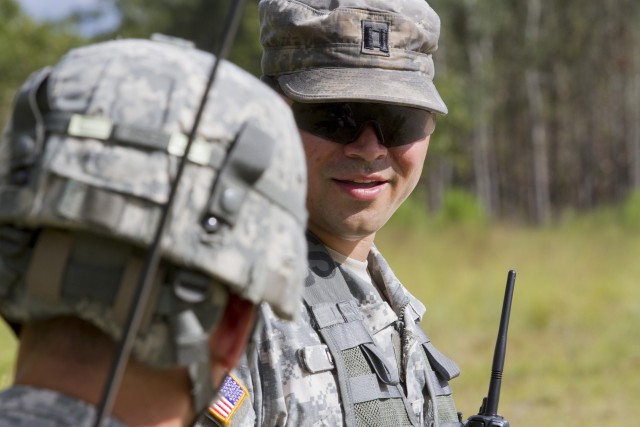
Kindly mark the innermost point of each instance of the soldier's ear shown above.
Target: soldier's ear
(228, 340)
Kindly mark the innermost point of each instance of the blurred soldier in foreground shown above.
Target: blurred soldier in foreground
(358, 75)
(86, 165)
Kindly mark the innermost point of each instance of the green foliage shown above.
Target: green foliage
(26, 46)
(247, 51)
(607, 218)
(461, 208)
(201, 21)
(8, 347)
(489, 54)
(630, 212)
(412, 213)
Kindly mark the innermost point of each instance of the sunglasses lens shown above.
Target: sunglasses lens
(402, 125)
(342, 122)
(332, 121)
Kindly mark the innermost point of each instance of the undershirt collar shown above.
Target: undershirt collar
(359, 268)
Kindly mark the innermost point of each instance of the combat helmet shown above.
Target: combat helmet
(86, 165)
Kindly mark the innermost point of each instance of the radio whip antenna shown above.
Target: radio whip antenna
(152, 257)
(488, 415)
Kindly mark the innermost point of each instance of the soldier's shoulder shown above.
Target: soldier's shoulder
(36, 407)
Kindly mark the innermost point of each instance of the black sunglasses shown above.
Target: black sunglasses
(342, 122)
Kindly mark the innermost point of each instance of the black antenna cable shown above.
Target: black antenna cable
(152, 258)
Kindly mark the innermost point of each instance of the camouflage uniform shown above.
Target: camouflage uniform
(87, 164)
(357, 356)
(293, 377)
(22, 406)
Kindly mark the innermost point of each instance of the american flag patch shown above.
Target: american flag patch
(230, 397)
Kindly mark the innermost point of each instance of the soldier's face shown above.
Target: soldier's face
(354, 188)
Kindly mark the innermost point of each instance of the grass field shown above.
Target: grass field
(7, 354)
(573, 357)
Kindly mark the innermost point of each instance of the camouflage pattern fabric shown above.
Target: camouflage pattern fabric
(22, 406)
(98, 81)
(352, 50)
(285, 393)
(110, 176)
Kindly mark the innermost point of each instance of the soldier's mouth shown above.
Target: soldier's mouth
(362, 189)
(363, 183)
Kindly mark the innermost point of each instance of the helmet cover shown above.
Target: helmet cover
(86, 165)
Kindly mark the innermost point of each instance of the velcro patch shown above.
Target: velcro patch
(316, 358)
(375, 37)
(230, 397)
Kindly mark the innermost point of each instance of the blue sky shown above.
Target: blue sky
(42, 10)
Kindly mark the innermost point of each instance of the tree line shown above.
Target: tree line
(543, 96)
(545, 101)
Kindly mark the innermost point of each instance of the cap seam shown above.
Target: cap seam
(306, 7)
(275, 50)
(382, 98)
(347, 70)
(351, 10)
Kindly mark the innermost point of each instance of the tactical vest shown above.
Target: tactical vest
(371, 391)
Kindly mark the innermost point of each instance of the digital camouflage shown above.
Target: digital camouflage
(23, 406)
(99, 182)
(287, 391)
(352, 50)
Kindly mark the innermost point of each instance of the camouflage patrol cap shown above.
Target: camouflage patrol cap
(86, 166)
(352, 50)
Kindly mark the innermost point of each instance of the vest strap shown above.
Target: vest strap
(375, 358)
(337, 319)
(367, 387)
(446, 367)
(349, 335)
(326, 314)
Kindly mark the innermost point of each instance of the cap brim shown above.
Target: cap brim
(407, 88)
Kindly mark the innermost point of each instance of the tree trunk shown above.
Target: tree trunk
(479, 54)
(542, 202)
(439, 177)
(539, 148)
(633, 129)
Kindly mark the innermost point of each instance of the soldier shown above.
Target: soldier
(358, 75)
(86, 167)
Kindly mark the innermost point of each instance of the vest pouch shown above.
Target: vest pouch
(446, 412)
(444, 366)
(316, 358)
(387, 374)
(344, 324)
(369, 388)
(444, 369)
